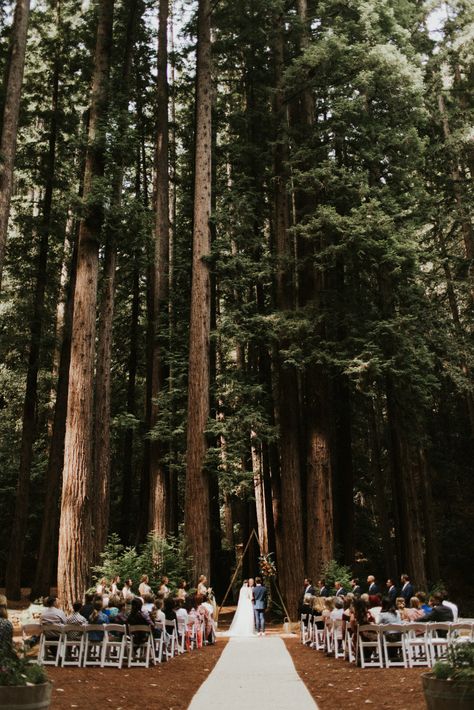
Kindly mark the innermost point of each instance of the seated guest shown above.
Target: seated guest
(6, 626)
(375, 605)
(52, 614)
(414, 611)
(361, 616)
(348, 604)
(400, 605)
(306, 607)
(97, 617)
(159, 613)
(87, 608)
(112, 609)
(121, 617)
(338, 610)
(193, 627)
(317, 605)
(76, 618)
(450, 604)
(438, 612)
(388, 612)
(169, 609)
(148, 604)
(425, 607)
(137, 618)
(205, 616)
(328, 608)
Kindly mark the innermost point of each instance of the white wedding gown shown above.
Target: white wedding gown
(243, 623)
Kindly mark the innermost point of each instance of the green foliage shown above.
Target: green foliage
(334, 572)
(157, 557)
(459, 664)
(17, 669)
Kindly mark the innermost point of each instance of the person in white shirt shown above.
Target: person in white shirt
(338, 610)
(450, 605)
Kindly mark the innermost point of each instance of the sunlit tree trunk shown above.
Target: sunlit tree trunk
(75, 534)
(197, 513)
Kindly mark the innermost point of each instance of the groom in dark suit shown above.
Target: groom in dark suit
(259, 605)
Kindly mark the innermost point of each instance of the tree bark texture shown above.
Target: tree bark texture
(11, 111)
(159, 479)
(291, 551)
(197, 513)
(75, 534)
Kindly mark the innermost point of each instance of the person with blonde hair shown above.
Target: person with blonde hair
(6, 626)
(144, 587)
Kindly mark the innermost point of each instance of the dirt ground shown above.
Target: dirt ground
(169, 686)
(336, 684)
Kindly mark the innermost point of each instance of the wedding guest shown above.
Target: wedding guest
(202, 585)
(76, 618)
(425, 607)
(323, 589)
(164, 589)
(317, 609)
(392, 591)
(112, 609)
(127, 592)
(373, 587)
(159, 613)
(137, 618)
(122, 615)
(361, 616)
(86, 609)
(414, 612)
(308, 587)
(193, 627)
(439, 612)
(388, 612)
(144, 587)
(203, 612)
(450, 604)
(407, 590)
(6, 626)
(328, 608)
(400, 604)
(52, 614)
(169, 609)
(99, 618)
(338, 610)
(148, 603)
(375, 605)
(340, 591)
(114, 590)
(182, 587)
(355, 587)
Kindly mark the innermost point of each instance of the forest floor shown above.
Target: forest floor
(335, 684)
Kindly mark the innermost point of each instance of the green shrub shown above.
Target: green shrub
(16, 669)
(334, 572)
(157, 557)
(459, 664)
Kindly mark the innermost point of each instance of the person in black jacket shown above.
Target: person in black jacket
(439, 612)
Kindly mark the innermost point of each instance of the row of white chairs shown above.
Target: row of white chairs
(384, 645)
(112, 645)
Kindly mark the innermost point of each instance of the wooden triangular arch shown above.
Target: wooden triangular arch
(253, 534)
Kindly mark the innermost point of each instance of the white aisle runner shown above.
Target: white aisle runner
(254, 673)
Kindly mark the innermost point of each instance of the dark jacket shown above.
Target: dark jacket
(392, 593)
(324, 592)
(408, 592)
(440, 613)
(260, 596)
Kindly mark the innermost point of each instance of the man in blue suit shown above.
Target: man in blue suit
(392, 591)
(407, 590)
(260, 595)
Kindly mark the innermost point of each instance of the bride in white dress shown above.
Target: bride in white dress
(243, 623)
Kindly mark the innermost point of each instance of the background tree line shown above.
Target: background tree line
(237, 255)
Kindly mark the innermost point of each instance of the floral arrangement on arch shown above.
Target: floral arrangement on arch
(267, 565)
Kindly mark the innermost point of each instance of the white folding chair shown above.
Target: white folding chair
(349, 654)
(141, 649)
(49, 653)
(73, 638)
(337, 638)
(159, 637)
(461, 632)
(371, 643)
(318, 634)
(305, 636)
(171, 638)
(394, 645)
(181, 630)
(94, 639)
(438, 640)
(328, 636)
(114, 645)
(417, 645)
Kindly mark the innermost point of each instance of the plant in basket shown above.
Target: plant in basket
(450, 685)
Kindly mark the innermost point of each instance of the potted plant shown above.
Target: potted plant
(450, 685)
(22, 683)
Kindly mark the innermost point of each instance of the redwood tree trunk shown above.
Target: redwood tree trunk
(75, 534)
(159, 483)
(11, 110)
(197, 513)
(290, 540)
